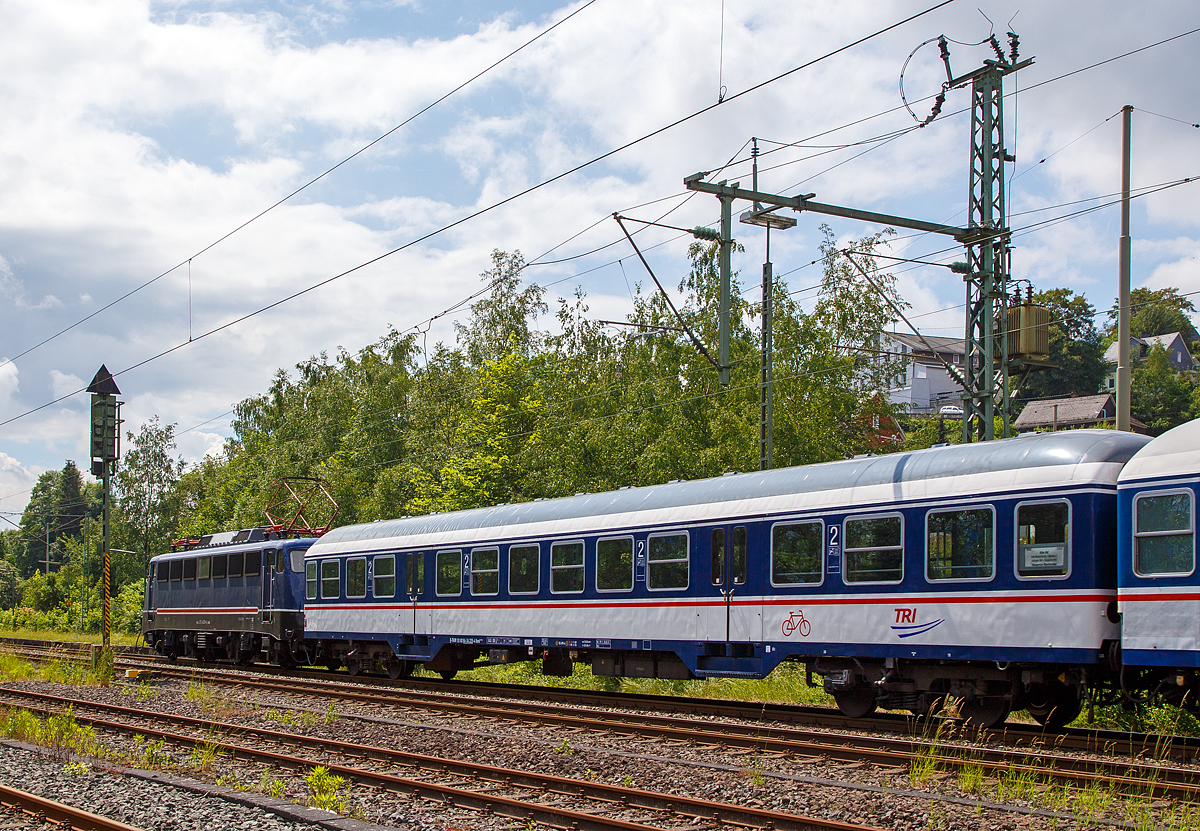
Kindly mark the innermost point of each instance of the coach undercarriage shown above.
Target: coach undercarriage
(986, 692)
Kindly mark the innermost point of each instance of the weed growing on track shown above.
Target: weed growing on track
(565, 749)
(59, 734)
(331, 715)
(203, 756)
(150, 755)
(323, 790)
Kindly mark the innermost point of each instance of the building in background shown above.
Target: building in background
(1178, 354)
(923, 385)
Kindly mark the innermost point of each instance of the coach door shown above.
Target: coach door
(272, 558)
(415, 620)
(730, 619)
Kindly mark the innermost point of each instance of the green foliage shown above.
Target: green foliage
(147, 493)
(323, 789)
(1156, 312)
(1160, 397)
(1075, 346)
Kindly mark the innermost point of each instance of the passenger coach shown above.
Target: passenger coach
(985, 571)
(1159, 587)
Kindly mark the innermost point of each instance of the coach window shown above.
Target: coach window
(189, 568)
(253, 561)
(176, 571)
(796, 549)
(667, 565)
(414, 574)
(384, 584)
(739, 566)
(310, 581)
(485, 571)
(960, 544)
(523, 563)
(235, 564)
(614, 565)
(874, 550)
(203, 568)
(566, 567)
(218, 565)
(449, 573)
(356, 577)
(1164, 540)
(331, 588)
(1043, 540)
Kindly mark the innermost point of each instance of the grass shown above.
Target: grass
(786, 685)
(116, 638)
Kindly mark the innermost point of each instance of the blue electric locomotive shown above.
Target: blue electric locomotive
(234, 596)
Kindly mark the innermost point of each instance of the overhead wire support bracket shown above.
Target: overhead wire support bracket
(691, 335)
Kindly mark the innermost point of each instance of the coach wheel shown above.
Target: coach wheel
(1054, 707)
(399, 669)
(448, 674)
(856, 703)
(352, 666)
(984, 713)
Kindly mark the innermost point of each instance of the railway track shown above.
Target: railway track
(1133, 775)
(486, 797)
(1087, 740)
(33, 811)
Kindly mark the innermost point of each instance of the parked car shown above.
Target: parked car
(951, 410)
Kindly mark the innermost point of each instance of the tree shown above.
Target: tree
(1159, 397)
(147, 501)
(501, 322)
(1160, 312)
(37, 521)
(1075, 346)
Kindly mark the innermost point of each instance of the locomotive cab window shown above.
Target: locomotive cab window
(1164, 537)
(960, 544)
(203, 568)
(448, 577)
(667, 565)
(176, 571)
(310, 581)
(566, 567)
(331, 588)
(796, 553)
(385, 577)
(523, 564)
(297, 556)
(485, 571)
(1043, 540)
(356, 577)
(874, 550)
(280, 561)
(253, 562)
(614, 565)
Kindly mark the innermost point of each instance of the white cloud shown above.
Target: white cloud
(137, 133)
(62, 383)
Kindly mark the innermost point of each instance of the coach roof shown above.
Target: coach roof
(1043, 459)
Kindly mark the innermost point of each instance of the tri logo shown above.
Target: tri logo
(907, 626)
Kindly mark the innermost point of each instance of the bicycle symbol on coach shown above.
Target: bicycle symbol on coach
(796, 622)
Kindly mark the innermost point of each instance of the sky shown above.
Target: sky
(138, 135)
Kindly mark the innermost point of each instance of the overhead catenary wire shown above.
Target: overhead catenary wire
(506, 200)
(298, 190)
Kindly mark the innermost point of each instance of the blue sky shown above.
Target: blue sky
(137, 133)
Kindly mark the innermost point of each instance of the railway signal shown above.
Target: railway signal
(105, 449)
